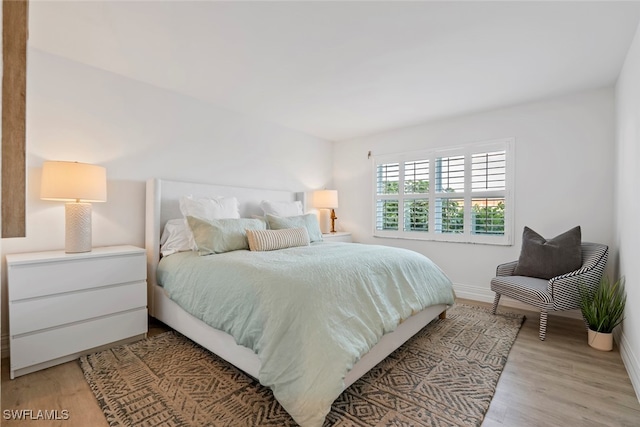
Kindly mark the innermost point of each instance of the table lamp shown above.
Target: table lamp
(78, 184)
(327, 199)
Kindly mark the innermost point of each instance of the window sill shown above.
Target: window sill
(504, 241)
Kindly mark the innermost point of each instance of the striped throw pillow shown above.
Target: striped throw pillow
(269, 240)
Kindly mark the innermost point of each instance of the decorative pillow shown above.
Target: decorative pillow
(281, 208)
(269, 240)
(308, 221)
(261, 218)
(209, 208)
(547, 258)
(176, 237)
(222, 235)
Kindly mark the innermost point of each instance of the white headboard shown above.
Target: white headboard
(163, 204)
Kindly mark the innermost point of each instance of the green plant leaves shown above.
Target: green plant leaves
(603, 307)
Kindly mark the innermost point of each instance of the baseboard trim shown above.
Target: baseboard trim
(482, 294)
(475, 293)
(631, 362)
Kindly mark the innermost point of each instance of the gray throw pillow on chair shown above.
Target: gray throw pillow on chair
(547, 258)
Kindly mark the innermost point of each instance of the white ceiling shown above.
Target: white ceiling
(339, 70)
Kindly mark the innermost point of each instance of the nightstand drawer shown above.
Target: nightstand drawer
(36, 348)
(54, 277)
(56, 310)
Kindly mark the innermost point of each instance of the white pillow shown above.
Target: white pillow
(281, 208)
(176, 237)
(209, 208)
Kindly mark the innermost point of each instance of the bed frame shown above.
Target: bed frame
(162, 204)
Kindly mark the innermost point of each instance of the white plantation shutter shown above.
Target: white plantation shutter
(387, 191)
(488, 187)
(388, 174)
(450, 174)
(416, 196)
(463, 194)
(489, 171)
(416, 177)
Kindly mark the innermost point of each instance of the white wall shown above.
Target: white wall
(138, 131)
(563, 158)
(627, 205)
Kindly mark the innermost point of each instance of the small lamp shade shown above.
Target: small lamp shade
(73, 181)
(325, 199)
(78, 184)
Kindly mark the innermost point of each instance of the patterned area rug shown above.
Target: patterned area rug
(444, 376)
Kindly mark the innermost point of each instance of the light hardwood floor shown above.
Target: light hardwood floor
(558, 382)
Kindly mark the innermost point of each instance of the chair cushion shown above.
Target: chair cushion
(547, 258)
(526, 289)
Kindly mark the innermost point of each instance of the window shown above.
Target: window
(461, 194)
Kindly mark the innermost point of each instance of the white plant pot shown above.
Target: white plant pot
(600, 340)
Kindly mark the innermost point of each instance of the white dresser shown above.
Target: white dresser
(64, 305)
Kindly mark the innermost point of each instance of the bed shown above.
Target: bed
(163, 204)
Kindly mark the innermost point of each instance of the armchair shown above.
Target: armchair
(556, 294)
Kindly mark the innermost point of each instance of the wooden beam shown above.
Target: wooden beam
(14, 86)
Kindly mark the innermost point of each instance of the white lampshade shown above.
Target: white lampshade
(325, 199)
(78, 184)
(73, 181)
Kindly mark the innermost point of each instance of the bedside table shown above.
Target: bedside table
(338, 236)
(64, 305)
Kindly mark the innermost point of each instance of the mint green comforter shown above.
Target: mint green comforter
(308, 312)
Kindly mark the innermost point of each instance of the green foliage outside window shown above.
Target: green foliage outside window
(486, 219)
(389, 215)
(416, 215)
(416, 211)
(389, 207)
(420, 186)
(452, 216)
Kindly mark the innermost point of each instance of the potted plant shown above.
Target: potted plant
(603, 310)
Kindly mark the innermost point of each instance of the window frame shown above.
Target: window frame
(467, 195)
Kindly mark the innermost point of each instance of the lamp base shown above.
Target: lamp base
(333, 221)
(77, 226)
(327, 220)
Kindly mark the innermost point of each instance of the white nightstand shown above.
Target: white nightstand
(64, 305)
(338, 236)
